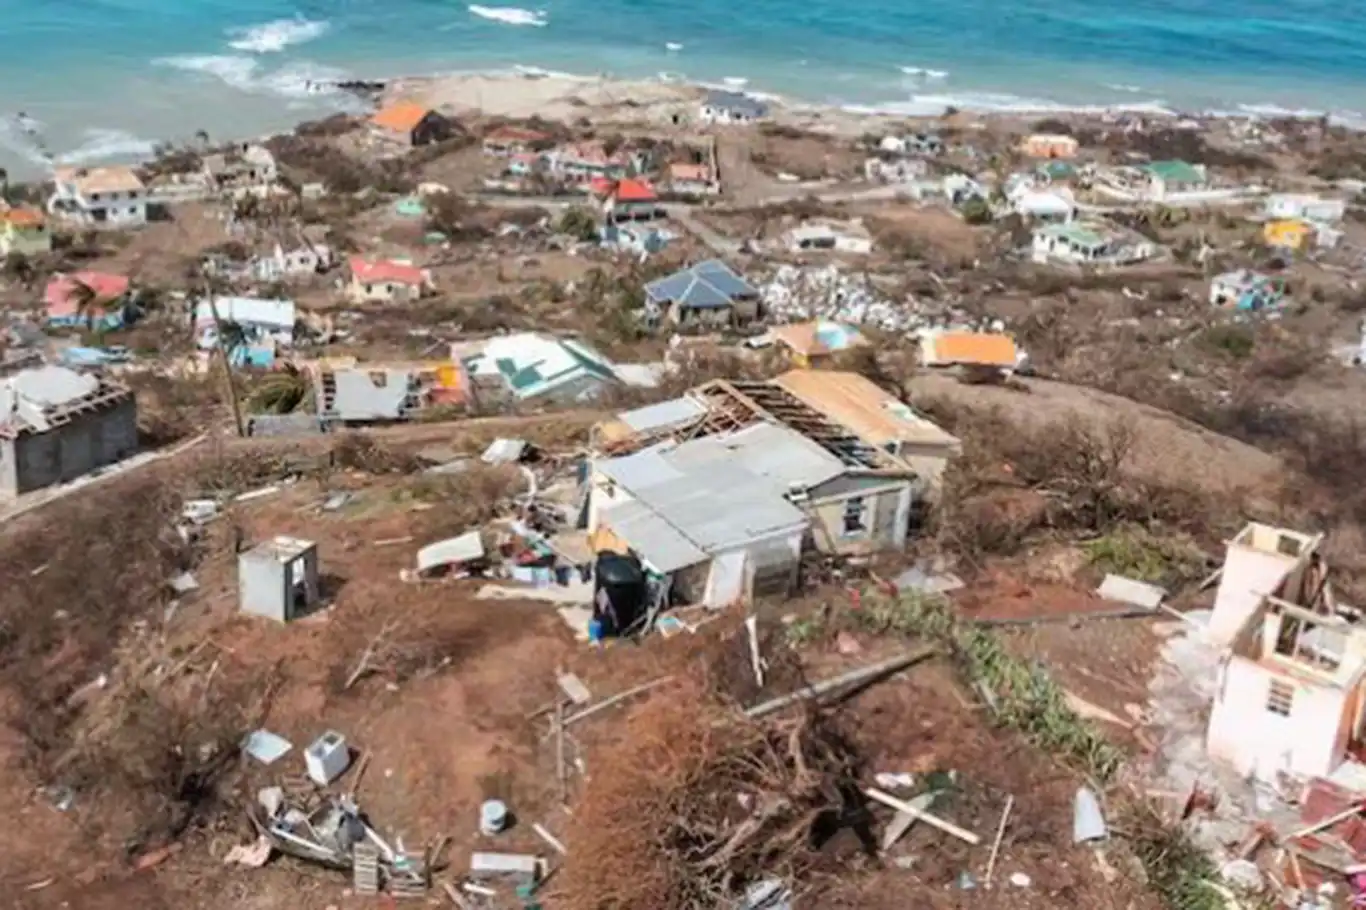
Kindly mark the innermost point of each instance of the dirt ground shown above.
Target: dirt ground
(445, 723)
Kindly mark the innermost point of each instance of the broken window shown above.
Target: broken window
(1280, 698)
(1316, 644)
(1287, 545)
(855, 516)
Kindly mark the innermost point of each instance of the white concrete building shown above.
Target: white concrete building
(1290, 699)
(840, 237)
(1077, 243)
(1257, 562)
(726, 108)
(1052, 206)
(1304, 206)
(899, 170)
(112, 196)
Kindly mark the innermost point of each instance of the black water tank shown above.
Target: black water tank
(623, 580)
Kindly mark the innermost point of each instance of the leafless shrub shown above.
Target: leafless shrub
(659, 824)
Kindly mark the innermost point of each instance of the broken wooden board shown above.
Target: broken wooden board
(574, 689)
(903, 821)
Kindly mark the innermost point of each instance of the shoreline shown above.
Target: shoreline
(524, 91)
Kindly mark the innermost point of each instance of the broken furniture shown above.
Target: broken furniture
(278, 579)
(336, 834)
(327, 757)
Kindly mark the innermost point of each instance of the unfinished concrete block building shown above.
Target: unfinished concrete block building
(278, 578)
(57, 425)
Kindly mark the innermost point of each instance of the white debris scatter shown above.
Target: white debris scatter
(795, 294)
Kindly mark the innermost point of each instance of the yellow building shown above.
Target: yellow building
(1287, 233)
(24, 231)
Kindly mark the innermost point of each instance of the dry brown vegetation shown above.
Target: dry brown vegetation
(1015, 483)
(663, 825)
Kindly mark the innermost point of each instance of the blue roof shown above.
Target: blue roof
(836, 337)
(708, 285)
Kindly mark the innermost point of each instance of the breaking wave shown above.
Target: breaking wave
(297, 80)
(274, 36)
(107, 145)
(921, 73)
(510, 15)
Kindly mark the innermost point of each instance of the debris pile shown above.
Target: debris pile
(701, 804)
(795, 294)
(335, 833)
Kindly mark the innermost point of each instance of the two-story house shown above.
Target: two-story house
(113, 196)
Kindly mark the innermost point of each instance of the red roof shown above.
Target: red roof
(60, 293)
(385, 270)
(629, 190)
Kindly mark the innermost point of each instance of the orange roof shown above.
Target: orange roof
(23, 217)
(628, 190)
(385, 270)
(402, 117)
(698, 172)
(860, 406)
(975, 348)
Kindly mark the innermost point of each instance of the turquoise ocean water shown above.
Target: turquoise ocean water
(102, 79)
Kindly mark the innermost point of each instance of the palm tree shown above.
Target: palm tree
(85, 301)
(282, 392)
(230, 337)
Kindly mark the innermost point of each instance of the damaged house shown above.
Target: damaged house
(57, 425)
(799, 465)
(1292, 688)
(359, 393)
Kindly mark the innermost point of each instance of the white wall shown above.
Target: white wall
(1259, 743)
(1249, 575)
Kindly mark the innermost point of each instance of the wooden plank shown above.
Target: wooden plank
(947, 827)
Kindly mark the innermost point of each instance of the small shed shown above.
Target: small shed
(278, 579)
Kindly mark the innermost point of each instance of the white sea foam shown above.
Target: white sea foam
(273, 37)
(1121, 87)
(107, 145)
(989, 102)
(922, 73)
(17, 140)
(510, 15)
(540, 72)
(297, 81)
(735, 82)
(236, 70)
(301, 80)
(673, 46)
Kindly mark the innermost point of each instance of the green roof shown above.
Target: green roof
(1174, 171)
(1078, 233)
(1057, 169)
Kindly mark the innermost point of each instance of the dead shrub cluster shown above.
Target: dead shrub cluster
(73, 585)
(1012, 482)
(698, 803)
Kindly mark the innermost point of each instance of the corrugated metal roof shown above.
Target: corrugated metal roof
(247, 311)
(720, 492)
(664, 414)
(782, 456)
(657, 541)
